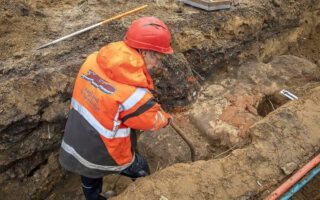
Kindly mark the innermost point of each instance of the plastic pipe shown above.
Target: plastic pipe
(293, 179)
(301, 183)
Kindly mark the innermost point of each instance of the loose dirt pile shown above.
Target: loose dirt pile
(36, 86)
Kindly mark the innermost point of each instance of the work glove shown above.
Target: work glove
(170, 120)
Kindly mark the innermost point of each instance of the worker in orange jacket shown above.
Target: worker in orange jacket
(112, 97)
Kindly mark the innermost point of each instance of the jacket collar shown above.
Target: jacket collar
(124, 64)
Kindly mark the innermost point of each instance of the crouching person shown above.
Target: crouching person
(111, 97)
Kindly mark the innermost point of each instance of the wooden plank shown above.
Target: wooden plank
(209, 5)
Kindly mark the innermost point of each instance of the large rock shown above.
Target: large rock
(227, 108)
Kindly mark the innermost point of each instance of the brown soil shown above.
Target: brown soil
(308, 47)
(227, 63)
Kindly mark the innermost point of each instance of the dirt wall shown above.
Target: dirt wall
(284, 138)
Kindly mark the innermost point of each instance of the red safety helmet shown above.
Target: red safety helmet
(149, 33)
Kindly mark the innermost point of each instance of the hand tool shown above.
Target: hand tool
(183, 136)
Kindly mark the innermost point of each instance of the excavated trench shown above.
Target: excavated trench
(222, 85)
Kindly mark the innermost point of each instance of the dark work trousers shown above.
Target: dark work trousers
(92, 187)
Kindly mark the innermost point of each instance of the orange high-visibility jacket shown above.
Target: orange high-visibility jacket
(111, 95)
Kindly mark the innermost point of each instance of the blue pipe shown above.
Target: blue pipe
(308, 177)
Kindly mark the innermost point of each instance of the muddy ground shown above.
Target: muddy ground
(222, 84)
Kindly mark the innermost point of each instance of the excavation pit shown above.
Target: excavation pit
(246, 55)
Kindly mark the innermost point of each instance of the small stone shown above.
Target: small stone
(17, 55)
(24, 10)
(194, 93)
(12, 175)
(163, 198)
(289, 168)
(39, 14)
(38, 54)
(109, 194)
(247, 196)
(9, 15)
(235, 2)
(276, 3)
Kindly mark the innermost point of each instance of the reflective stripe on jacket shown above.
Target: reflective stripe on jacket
(111, 95)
